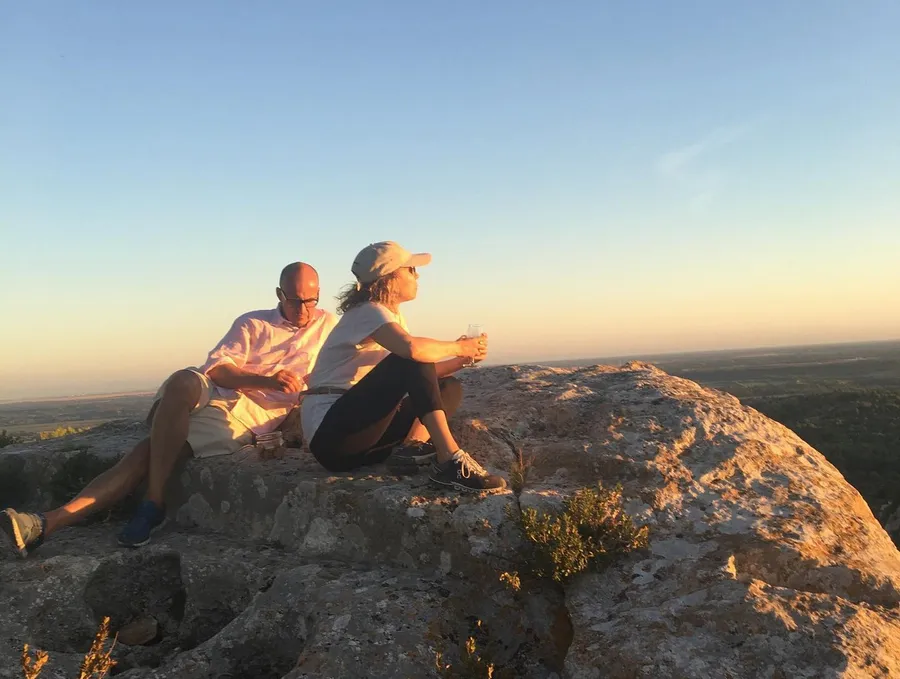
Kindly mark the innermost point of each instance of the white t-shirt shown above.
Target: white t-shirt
(345, 358)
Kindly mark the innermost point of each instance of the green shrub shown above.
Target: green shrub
(592, 528)
(59, 432)
(858, 430)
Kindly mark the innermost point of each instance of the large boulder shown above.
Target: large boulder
(762, 560)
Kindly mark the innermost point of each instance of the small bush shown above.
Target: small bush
(59, 432)
(592, 527)
(7, 439)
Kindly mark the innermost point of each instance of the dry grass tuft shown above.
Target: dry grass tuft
(511, 580)
(96, 664)
(471, 665)
(32, 666)
(519, 470)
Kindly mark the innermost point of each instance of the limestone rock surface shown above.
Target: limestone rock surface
(762, 562)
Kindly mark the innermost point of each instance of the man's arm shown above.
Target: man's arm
(229, 376)
(225, 365)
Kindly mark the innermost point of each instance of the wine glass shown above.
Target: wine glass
(475, 330)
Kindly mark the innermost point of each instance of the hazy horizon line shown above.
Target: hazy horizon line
(555, 362)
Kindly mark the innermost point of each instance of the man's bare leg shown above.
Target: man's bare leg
(152, 458)
(168, 442)
(169, 432)
(170, 420)
(104, 491)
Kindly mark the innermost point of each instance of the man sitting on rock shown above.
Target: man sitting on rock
(246, 388)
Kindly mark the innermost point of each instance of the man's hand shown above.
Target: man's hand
(286, 382)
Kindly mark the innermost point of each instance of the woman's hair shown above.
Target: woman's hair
(380, 292)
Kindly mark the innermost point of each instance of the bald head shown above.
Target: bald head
(292, 274)
(298, 292)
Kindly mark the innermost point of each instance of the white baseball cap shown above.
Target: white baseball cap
(380, 259)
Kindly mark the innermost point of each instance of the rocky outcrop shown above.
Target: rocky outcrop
(763, 561)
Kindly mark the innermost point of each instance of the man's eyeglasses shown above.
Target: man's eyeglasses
(298, 301)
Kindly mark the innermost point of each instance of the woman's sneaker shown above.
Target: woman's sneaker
(22, 530)
(410, 457)
(464, 473)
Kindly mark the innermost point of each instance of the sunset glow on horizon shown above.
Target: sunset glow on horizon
(592, 181)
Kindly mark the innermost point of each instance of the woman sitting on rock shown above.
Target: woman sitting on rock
(377, 390)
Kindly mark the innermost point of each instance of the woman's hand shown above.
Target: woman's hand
(473, 347)
(484, 349)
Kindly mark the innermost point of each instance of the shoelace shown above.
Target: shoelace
(468, 466)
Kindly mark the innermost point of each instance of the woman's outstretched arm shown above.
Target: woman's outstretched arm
(426, 350)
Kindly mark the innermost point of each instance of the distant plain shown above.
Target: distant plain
(748, 374)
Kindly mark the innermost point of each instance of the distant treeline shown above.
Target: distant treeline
(37, 416)
(858, 430)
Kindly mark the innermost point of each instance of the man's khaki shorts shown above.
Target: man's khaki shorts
(212, 430)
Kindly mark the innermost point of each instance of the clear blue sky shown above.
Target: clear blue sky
(592, 178)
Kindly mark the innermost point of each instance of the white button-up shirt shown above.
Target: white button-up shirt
(264, 342)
